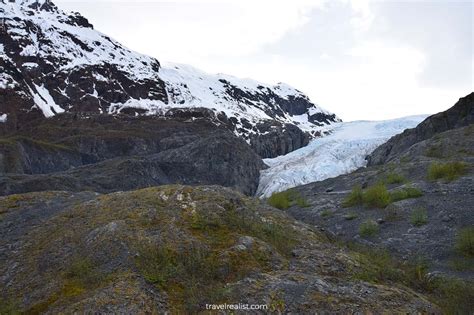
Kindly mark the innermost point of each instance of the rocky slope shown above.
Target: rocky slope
(53, 62)
(178, 248)
(461, 114)
(106, 153)
(418, 206)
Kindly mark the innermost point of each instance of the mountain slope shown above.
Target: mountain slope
(53, 62)
(460, 115)
(341, 152)
(417, 206)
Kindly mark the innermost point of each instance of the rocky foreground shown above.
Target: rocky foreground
(177, 248)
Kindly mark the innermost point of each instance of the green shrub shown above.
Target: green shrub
(378, 266)
(454, 296)
(285, 199)
(280, 200)
(419, 217)
(377, 196)
(465, 241)
(368, 228)
(326, 214)
(355, 198)
(406, 193)
(447, 171)
(394, 178)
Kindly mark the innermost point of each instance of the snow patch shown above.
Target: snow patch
(3, 118)
(341, 152)
(45, 102)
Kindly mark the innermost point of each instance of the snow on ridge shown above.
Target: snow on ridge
(191, 87)
(69, 43)
(101, 49)
(341, 152)
(3, 118)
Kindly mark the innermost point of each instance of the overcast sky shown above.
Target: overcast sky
(360, 59)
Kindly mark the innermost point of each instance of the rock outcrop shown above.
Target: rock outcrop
(109, 153)
(460, 115)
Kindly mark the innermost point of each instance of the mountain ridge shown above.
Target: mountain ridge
(55, 62)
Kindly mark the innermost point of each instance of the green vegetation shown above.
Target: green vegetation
(285, 199)
(405, 193)
(377, 266)
(196, 274)
(326, 213)
(368, 228)
(351, 216)
(419, 217)
(355, 198)
(447, 171)
(465, 241)
(378, 196)
(394, 178)
(462, 263)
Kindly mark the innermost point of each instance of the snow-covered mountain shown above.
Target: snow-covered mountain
(340, 153)
(53, 62)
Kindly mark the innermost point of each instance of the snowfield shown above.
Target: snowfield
(342, 152)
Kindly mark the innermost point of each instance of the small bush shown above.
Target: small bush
(326, 214)
(355, 198)
(394, 178)
(455, 296)
(465, 241)
(447, 171)
(419, 217)
(368, 228)
(280, 200)
(405, 193)
(377, 196)
(285, 199)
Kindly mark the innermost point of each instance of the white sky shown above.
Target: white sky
(360, 59)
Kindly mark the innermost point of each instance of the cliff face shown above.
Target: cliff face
(106, 153)
(460, 115)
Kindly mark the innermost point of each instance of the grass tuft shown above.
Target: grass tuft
(394, 178)
(326, 213)
(405, 193)
(465, 241)
(377, 196)
(356, 198)
(285, 199)
(447, 171)
(368, 228)
(419, 217)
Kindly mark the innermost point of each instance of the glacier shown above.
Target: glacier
(341, 152)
